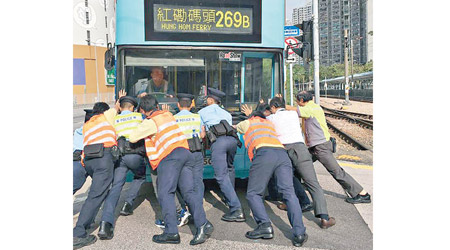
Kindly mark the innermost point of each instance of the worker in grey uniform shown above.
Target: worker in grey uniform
(320, 146)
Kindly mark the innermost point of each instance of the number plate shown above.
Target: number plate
(207, 161)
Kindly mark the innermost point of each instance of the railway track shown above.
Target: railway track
(349, 139)
(346, 115)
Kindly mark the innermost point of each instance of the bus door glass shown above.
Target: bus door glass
(258, 77)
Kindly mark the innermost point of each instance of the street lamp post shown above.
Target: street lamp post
(346, 88)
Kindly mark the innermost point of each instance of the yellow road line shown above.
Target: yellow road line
(356, 166)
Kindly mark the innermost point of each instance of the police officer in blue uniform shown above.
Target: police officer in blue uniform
(79, 173)
(218, 124)
(132, 158)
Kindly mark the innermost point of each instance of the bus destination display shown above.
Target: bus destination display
(201, 19)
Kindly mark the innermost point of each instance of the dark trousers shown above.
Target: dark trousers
(179, 202)
(304, 167)
(177, 170)
(223, 151)
(298, 188)
(199, 187)
(267, 162)
(101, 171)
(323, 153)
(79, 176)
(135, 163)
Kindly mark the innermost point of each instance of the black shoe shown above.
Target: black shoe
(270, 198)
(359, 199)
(203, 233)
(264, 230)
(106, 231)
(237, 216)
(82, 242)
(166, 238)
(126, 209)
(307, 208)
(299, 240)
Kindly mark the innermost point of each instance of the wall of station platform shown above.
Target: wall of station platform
(88, 72)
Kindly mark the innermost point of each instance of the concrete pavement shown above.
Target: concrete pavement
(353, 229)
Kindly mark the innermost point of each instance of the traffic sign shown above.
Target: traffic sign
(291, 59)
(291, 31)
(294, 43)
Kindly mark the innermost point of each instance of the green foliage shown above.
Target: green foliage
(337, 70)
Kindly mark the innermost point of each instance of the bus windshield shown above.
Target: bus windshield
(172, 71)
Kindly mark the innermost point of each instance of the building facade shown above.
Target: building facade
(334, 17)
(302, 13)
(93, 28)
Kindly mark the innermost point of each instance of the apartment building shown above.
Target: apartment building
(334, 17)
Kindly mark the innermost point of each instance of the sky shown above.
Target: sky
(291, 4)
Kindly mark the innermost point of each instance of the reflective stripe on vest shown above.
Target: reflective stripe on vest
(189, 124)
(168, 137)
(260, 131)
(124, 124)
(98, 130)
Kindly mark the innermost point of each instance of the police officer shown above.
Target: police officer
(168, 152)
(194, 130)
(269, 158)
(274, 195)
(79, 173)
(132, 158)
(98, 157)
(223, 150)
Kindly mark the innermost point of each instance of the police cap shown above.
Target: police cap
(185, 96)
(215, 94)
(128, 99)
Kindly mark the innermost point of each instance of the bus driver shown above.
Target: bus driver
(157, 83)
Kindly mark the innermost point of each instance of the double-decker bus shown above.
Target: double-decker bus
(235, 46)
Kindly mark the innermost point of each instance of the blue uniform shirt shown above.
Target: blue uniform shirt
(213, 114)
(125, 112)
(78, 139)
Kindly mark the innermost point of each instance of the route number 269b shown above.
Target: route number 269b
(229, 19)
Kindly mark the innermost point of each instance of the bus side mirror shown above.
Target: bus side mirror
(109, 57)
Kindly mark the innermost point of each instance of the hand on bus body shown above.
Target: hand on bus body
(246, 110)
(165, 107)
(121, 94)
(142, 94)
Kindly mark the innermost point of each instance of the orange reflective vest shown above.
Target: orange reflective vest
(168, 137)
(98, 130)
(260, 131)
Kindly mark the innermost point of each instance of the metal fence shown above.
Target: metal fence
(93, 98)
(359, 94)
